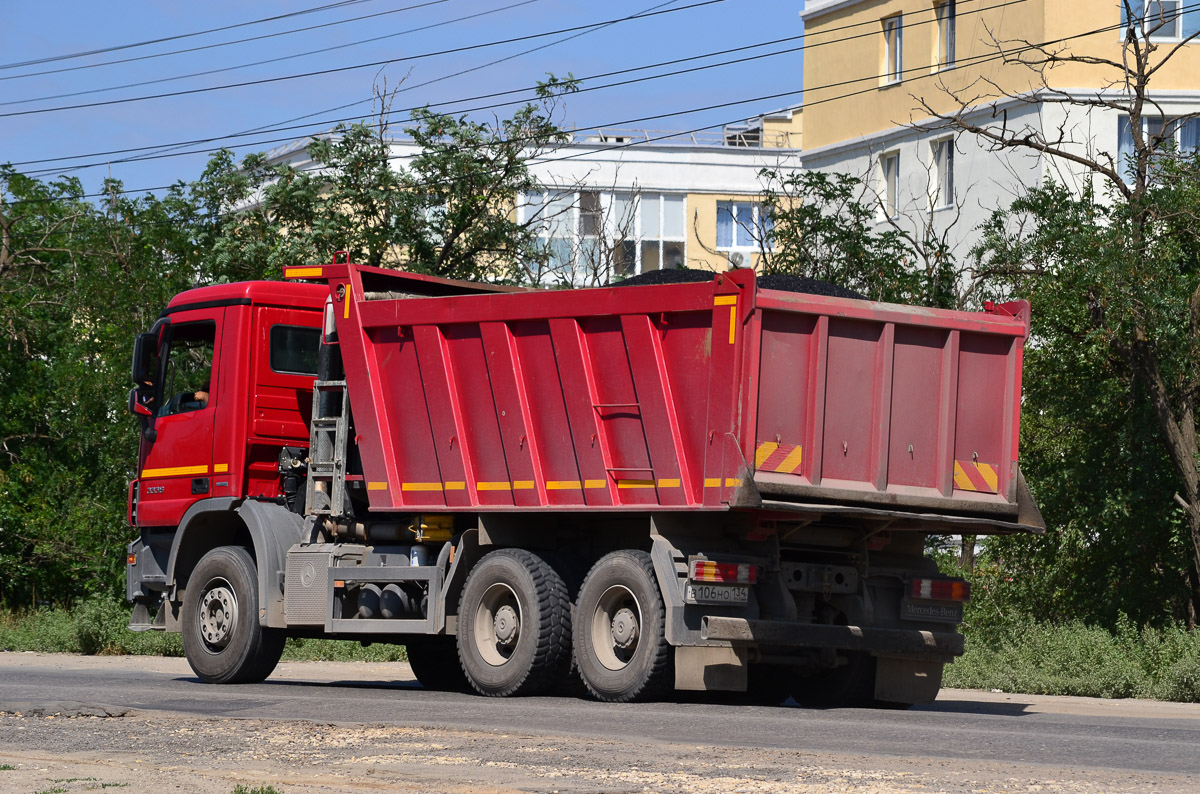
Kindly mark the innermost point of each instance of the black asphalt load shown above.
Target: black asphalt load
(776, 281)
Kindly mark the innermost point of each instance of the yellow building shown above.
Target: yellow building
(877, 73)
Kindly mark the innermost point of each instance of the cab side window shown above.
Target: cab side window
(187, 373)
(294, 349)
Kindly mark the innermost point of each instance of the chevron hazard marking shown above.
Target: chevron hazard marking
(972, 476)
(782, 458)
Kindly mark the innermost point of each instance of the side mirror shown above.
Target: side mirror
(145, 357)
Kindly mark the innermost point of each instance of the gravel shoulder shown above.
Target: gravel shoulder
(72, 747)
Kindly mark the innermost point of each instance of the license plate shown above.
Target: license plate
(716, 594)
(931, 611)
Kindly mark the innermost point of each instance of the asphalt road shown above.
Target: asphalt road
(1135, 736)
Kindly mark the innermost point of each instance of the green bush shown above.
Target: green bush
(95, 626)
(1075, 659)
(43, 630)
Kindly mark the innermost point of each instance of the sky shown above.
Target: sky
(444, 53)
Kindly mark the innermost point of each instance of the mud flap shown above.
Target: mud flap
(899, 680)
(714, 668)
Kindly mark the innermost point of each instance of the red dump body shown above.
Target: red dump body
(700, 396)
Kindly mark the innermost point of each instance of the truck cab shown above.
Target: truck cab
(224, 384)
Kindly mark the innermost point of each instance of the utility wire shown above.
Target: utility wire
(980, 59)
(294, 56)
(339, 69)
(524, 90)
(132, 45)
(266, 128)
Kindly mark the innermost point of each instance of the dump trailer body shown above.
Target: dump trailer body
(682, 397)
(705, 486)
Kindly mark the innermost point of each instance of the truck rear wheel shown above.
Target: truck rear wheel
(621, 647)
(222, 638)
(514, 625)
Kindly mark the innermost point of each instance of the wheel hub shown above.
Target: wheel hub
(218, 615)
(507, 625)
(625, 628)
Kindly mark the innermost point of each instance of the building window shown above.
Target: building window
(943, 172)
(663, 232)
(592, 237)
(945, 14)
(1163, 19)
(1189, 137)
(893, 42)
(743, 224)
(1158, 133)
(891, 184)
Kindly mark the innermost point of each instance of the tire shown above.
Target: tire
(222, 639)
(514, 625)
(434, 661)
(621, 648)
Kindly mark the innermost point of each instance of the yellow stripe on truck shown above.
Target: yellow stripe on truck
(176, 471)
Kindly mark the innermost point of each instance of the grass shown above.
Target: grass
(7, 768)
(240, 789)
(100, 627)
(1022, 655)
(1076, 659)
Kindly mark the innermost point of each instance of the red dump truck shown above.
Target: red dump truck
(698, 486)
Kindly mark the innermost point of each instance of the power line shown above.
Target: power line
(264, 128)
(980, 59)
(523, 90)
(243, 41)
(164, 39)
(493, 95)
(336, 70)
(305, 54)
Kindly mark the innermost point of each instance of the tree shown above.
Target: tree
(448, 212)
(77, 281)
(822, 226)
(1115, 277)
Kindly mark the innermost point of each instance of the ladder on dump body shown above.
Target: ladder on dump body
(327, 450)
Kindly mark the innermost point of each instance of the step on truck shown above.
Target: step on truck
(696, 486)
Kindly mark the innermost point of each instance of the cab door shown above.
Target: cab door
(177, 463)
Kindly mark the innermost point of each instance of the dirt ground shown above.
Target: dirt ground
(66, 747)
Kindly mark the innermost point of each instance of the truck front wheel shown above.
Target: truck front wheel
(514, 625)
(620, 630)
(222, 638)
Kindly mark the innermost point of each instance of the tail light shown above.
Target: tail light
(940, 589)
(722, 572)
